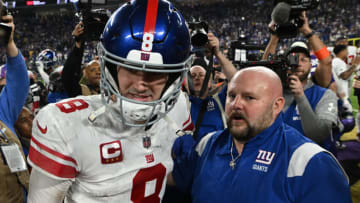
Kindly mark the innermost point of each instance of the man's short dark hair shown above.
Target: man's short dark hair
(341, 38)
(339, 48)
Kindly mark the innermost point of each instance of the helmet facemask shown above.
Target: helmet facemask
(132, 112)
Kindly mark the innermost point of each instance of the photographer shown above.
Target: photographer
(14, 174)
(207, 111)
(211, 106)
(71, 74)
(323, 72)
(309, 108)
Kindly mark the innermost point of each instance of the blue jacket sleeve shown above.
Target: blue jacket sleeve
(323, 181)
(185, 159)
(13, 95)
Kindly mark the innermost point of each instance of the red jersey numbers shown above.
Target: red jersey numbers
(147, 184)
(111, 152)
(72, 105)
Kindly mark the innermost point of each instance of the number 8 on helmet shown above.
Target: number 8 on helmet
(149, 36)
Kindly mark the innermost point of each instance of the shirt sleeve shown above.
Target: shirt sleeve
(50, 149)
(184, 164)
(338, 66)
(323, 181)
(187, 159)
(13, 95)
(327, 109)
(71, 73)
(317, 125)
(46, 189)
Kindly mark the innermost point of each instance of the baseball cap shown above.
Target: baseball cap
(299, 46)
(200, 62)
(342, 37)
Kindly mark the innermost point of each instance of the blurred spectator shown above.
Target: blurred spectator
(2, 76)
(56, 87)
(38, 93)
(71, 75)
(342, 74)
(46, 62)
(23, 127)
(14, 175)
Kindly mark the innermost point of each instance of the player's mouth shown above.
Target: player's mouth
(140, 97)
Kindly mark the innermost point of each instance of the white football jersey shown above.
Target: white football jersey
(338, 67)
(106, 160)
(351, 54)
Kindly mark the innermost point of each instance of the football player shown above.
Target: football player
(115, 147)
(45, 64)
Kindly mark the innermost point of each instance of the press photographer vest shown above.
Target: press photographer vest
(12, 185)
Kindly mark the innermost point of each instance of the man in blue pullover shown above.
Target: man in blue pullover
(259, 158)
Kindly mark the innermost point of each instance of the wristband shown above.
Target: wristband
(322, 53)
(309, 35)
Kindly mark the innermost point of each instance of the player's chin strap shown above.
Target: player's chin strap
(92, 117)
(179, 131)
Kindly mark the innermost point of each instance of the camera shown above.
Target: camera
(198, 33)
(241, 51)
(5, 30)
(94, 20)
(286, 15)
(245, 55)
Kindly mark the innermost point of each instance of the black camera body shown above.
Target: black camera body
(94, 20)
(198, 33)
(241, 52)
(5, 30)
(282, 65)
(288, 25)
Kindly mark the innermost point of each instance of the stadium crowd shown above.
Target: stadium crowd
(333, 20)
(197, 119)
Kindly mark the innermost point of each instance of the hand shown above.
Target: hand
(295, 86)
(271, 26)
(305, 28)
(39, 65)
(78, 30)
(8, 19)
(11, 49)
(213, 43)
(356, 82)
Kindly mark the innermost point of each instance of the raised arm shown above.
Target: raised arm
(228, 68)
(323, 70)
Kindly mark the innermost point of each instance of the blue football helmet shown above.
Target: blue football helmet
(139, 37)
(48, 58)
